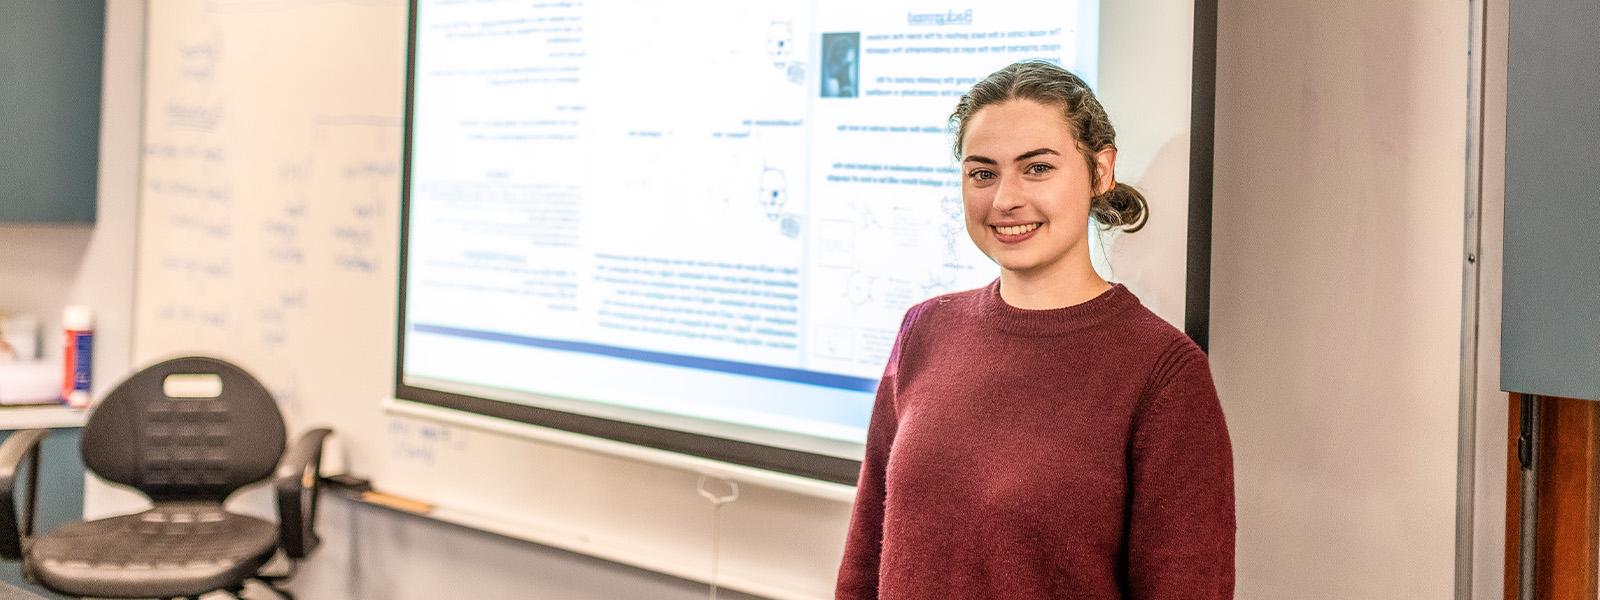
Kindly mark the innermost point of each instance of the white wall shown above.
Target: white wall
(39, 264)
(1337, 290)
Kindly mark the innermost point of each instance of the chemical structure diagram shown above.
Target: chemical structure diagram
(858, 288)
(780, 48)
(774, 192)
(952, 228)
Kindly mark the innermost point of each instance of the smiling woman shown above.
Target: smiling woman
(1027, 122)
(1046, 436)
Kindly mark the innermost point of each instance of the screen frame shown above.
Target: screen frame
(1197, 290)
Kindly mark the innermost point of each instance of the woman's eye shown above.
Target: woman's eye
(1039, 168)
(981, 174)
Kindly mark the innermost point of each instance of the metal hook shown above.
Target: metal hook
(713, 497)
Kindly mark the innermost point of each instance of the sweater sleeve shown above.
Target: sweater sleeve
(858, 573)
(1181, 521)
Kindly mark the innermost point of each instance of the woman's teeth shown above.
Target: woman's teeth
(1017, 229)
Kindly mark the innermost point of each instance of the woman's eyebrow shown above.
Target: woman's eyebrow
(1020, 157)
(1032, 153)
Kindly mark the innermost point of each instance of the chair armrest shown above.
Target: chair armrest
(14, 536)
(298, 483)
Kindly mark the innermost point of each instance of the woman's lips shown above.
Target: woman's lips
(1013, 234)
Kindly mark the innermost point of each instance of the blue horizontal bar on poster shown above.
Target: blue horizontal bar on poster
(818, 378)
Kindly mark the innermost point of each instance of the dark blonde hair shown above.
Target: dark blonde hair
(1053, 86)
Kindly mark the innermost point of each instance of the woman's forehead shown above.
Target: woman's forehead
(1020, 125)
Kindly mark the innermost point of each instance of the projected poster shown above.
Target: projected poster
(701, 216)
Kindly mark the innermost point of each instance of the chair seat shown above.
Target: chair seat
(163, 552)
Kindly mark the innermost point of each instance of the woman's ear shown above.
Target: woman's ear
(1105, 170)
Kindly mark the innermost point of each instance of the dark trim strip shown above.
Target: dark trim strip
(1202, 137)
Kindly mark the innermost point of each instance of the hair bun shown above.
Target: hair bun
(1121, 206)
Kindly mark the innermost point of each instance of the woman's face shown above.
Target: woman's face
(1026, 188)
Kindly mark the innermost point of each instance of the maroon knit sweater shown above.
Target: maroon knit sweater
(1076, 453)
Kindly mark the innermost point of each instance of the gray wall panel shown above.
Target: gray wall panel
(1551, 323)
(50, 109)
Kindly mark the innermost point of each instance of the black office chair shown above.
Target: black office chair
(188, 454)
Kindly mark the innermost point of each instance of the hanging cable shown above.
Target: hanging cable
(716, 500)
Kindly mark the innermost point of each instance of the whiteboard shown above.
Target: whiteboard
(268, 234)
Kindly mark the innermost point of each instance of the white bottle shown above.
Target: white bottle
(78, 323)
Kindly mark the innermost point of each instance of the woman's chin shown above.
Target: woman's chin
(1015, 265)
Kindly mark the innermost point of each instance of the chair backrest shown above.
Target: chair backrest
(182, 447)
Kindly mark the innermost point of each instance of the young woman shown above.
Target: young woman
(1046, 436)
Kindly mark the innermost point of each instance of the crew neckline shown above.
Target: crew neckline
(1030, 322)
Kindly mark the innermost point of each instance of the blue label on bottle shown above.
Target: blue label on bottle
(84, 344)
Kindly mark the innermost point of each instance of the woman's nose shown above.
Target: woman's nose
(1008, 194)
